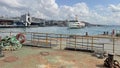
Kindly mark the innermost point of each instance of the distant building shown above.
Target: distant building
(38, 21)
(7, 21)
(26, 19)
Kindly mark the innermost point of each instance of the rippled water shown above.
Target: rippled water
(64, 30)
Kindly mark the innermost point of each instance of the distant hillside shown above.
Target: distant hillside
(89, 24)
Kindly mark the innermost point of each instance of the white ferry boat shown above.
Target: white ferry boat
(76, 25)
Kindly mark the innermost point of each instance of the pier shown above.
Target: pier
(74, 42)
(52, 50)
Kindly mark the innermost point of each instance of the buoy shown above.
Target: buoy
(20, 37)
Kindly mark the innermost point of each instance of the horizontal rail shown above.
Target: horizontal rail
(66, 39)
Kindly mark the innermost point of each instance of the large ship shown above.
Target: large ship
(75, 25)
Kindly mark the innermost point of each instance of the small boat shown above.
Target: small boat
(76, 25)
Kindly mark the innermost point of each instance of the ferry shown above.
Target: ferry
(76, 25)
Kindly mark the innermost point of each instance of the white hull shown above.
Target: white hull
(76, 25)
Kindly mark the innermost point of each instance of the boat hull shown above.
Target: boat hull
(76, 25)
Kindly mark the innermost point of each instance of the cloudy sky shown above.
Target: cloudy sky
(93, 11)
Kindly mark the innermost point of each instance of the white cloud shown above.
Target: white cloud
(49, 9)
(115, 8)
(69, 12)
(11, 4)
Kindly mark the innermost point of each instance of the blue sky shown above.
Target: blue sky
(92, 11)
(90, 3)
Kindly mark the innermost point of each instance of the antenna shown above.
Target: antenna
(76, 17)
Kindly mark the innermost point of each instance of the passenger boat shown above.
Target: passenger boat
(76, 25)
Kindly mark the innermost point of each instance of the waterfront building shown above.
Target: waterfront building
(26, 19)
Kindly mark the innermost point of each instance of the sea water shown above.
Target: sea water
(94, 30)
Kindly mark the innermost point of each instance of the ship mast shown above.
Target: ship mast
(76, 17)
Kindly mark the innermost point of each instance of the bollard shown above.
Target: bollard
(109, 61)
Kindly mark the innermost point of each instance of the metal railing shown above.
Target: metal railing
(63, 41)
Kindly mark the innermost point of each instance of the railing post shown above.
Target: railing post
(103, 47)
(82, 41)
(75, 42)
(10, 33)
(38, 42)
(113, 45)
(46, 38)
(50, 40)
(60, 41)
(31, 36)
(56, 39)
(92, 44)
(87, 41)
